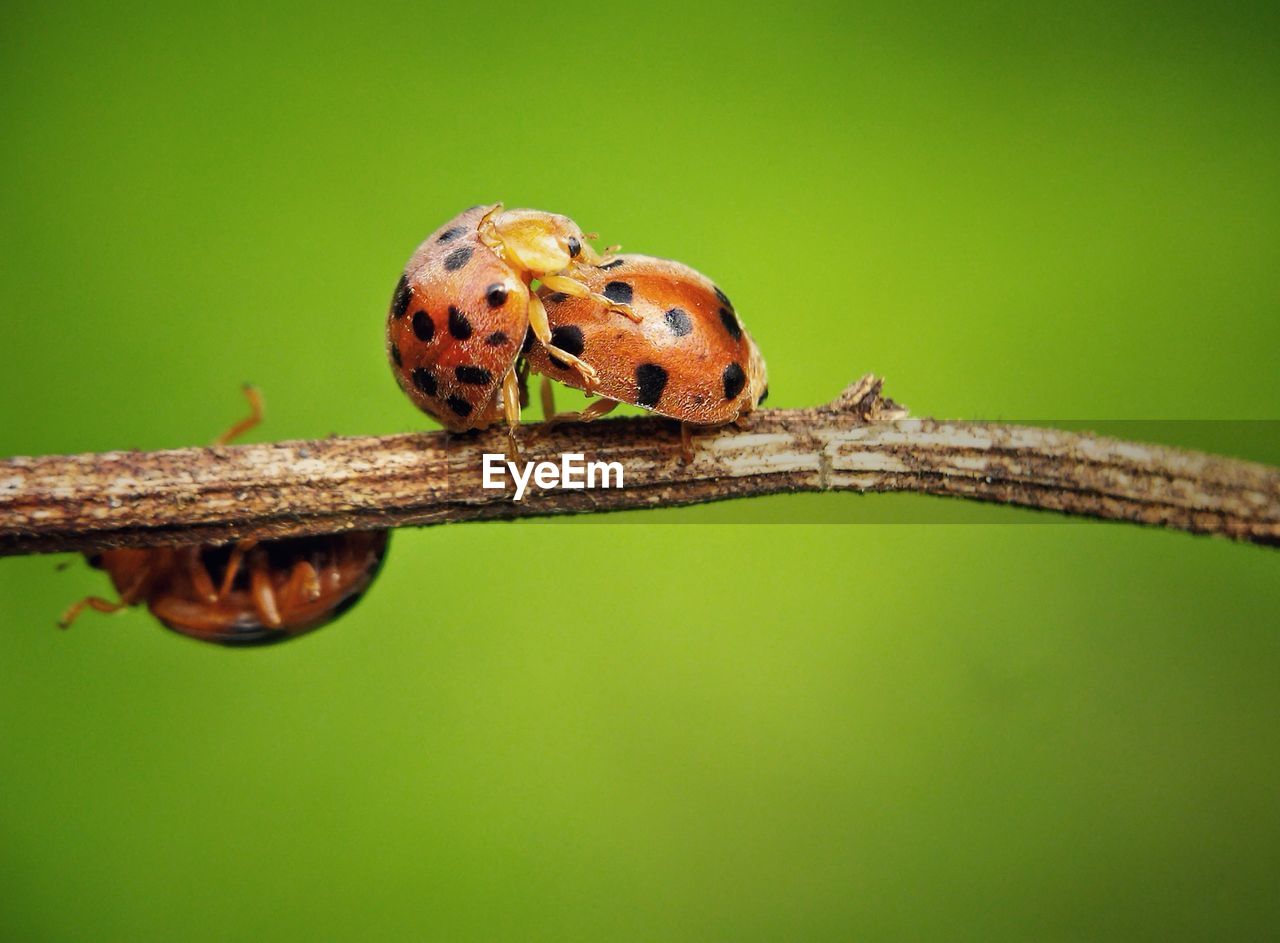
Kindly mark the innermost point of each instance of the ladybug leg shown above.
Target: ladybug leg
(128, 597)
(601, 407)
(96, 603)
(233, 566)
(522, 378)
(542, 331)
(511, 400)
(511, 411)
(262, 592)
(486, 229)
(198, 573)
(244, 425)
(571, 286)
(135, 590)
(686, 443)
(548, 399)
(303, 587)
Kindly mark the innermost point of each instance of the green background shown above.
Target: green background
(629, 729)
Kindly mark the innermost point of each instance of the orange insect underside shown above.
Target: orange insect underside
(309, 580)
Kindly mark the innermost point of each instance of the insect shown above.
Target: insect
(687, 356)
(463, 311)
(248, 593)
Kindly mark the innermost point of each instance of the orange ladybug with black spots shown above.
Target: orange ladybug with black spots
(463, 307)
(686, 356)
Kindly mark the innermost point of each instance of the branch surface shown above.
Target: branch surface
(860, 442)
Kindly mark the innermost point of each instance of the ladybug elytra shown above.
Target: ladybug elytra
(463, 311)
(686, 356)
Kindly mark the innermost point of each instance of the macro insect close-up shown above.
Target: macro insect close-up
(686, 355)
(463, 307)
(250, 592)
(833, 456)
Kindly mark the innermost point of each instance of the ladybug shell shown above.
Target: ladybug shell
(689, 358)
(457, 320)
(346, 564)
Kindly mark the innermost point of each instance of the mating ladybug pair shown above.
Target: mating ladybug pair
(631, 328)
(466, 322)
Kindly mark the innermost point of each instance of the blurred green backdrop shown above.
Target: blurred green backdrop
(631, 730)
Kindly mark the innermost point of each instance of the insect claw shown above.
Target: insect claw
(626, 312)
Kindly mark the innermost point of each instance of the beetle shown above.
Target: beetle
(252, 592)
(686, 356)
(249, 593)
(463, 311)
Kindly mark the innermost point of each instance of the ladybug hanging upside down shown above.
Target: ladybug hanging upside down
(253, 592)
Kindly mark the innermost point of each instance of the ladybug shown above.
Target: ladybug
(687, 356)
(463, 311)
(253, 592)
(248, 593)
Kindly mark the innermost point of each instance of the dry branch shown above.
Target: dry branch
(857, 443)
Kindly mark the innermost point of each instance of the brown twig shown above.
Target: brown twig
(860, 442)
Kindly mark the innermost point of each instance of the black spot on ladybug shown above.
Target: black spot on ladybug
(496, 295)
(457, 258)
(575, 247)
(497, 339)
(614, 264)
(679, 321)
(651, 380)
(423, 327)
(459, 324)
(557, 297)
(400, 300)
(569, 339)
(475, 376)
(764, 395)
(528, 341)
(618, 292)
(395, 356)
(459, 405)
(452, 233)
(731, 324)
(424, 380)
(724, 299)
(734, 380)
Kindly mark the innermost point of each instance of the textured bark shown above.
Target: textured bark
(861, 442)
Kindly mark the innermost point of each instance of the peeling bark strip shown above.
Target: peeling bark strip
(858, 443)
